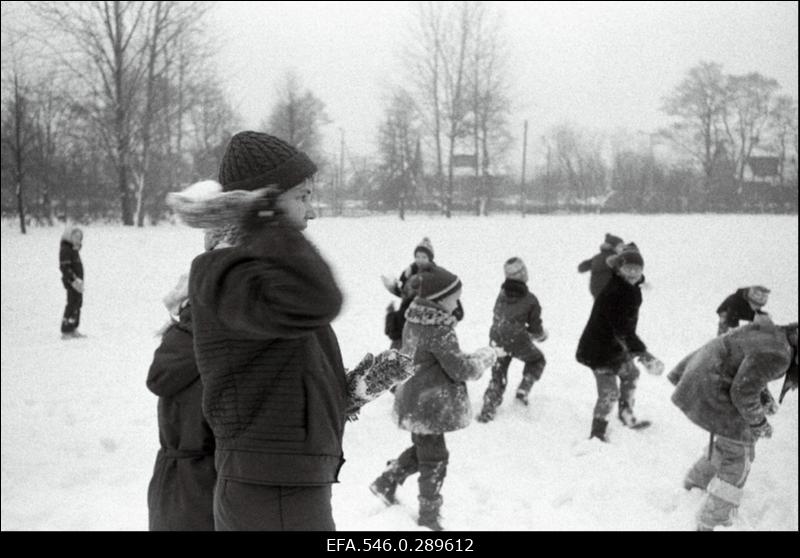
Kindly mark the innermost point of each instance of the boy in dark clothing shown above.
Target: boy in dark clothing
(181, 493)
(745, 304)
(609, 342)
(517, 323)
(72, 279)
(598, 264)
(434, 400)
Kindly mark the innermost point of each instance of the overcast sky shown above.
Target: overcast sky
(603, 65)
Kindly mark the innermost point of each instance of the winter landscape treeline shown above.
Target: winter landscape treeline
(107, 106)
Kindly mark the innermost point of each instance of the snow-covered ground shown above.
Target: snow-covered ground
(79, 432)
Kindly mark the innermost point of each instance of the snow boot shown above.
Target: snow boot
(431, 477)
(627, 418)
(599, 429)
(395, 474)
(522, 396)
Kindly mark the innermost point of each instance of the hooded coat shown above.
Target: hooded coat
(274, 384)
(181, 493)
(610, 338)
(435, 399)
(719, 386)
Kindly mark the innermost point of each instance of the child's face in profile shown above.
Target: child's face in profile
(450, 303)
(77, 239)
(295, 205)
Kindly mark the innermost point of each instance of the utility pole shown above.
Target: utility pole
(341, 172)
(522, 182)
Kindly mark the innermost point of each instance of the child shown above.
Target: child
(720, 387)
(72, 279)
(598, 264)
(745, 304)
(609, 342)
(403, 287)
(517, 323)
(181, 493)
(435, 400)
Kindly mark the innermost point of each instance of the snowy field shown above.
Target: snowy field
(79, 431)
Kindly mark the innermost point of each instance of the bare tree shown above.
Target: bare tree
(698, 103)
(399, 146)
(783, 131)
(298, 117)
(745, 115)
(19, 121)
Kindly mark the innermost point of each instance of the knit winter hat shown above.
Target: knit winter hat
(254, 160)
(426, 247)
(514, 268)
(630, 255)
(612, 240)
(437, 283)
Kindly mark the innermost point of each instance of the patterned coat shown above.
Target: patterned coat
(274, 389)
(609, 337)
(435, 399)
(719, 385)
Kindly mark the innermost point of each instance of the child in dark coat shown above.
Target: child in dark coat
(745, 304)
(181, 493)
(517, 323)
(609, 342)
(434, 400)
(71, 268)
(601, 272)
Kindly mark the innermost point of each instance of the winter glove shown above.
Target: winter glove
(375, 375)
(768, 403)
(651, 363)
(762, 429)
(498, 350)
(542, 336)
(77, 284)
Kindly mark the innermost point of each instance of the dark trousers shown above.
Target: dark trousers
(426, 447)
(240, 506)
(72, 312)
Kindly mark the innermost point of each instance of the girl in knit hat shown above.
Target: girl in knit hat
(517, 323)
(609, 342)
(275, 391)
(434, 400)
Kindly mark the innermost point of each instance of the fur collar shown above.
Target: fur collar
(424, 312)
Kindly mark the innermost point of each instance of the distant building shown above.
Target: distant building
(763, 169)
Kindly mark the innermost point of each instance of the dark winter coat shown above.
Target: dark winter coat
(609, 337)
(601, 273)
(435, 400)
(736, 307)
(719, 385)
(517, 314)
(274, 384)
(69, 262)
(181, 493)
